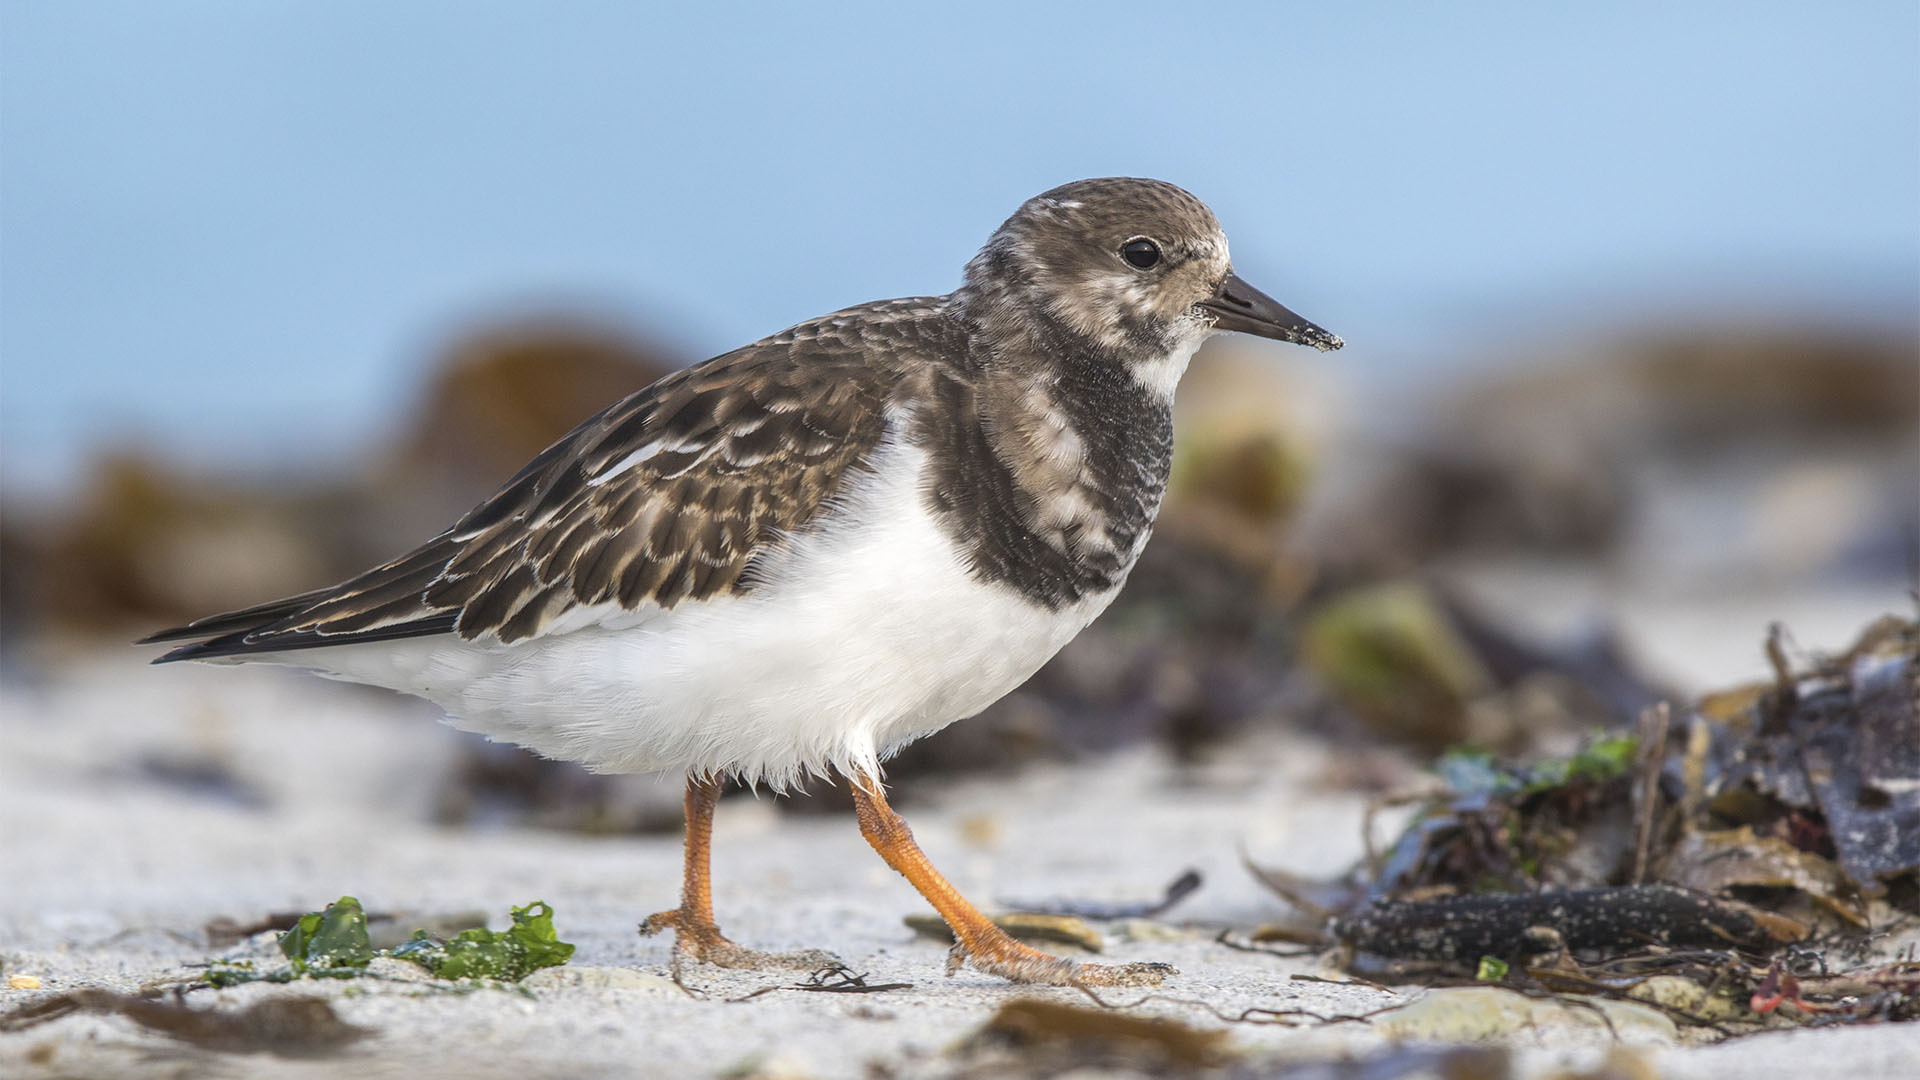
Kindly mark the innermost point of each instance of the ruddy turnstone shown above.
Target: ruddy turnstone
(802, 555)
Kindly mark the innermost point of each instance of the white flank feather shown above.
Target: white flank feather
(865, 633)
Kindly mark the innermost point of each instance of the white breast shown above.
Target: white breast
(867, 633)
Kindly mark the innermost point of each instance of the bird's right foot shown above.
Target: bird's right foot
(700, 939)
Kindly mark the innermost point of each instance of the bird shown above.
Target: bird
(797, 557)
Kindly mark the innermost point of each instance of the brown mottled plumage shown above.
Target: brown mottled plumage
(804, 554)
(1052, 458)
(751, 444)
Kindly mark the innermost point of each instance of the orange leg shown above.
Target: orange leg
(976, 938)
(692, 922)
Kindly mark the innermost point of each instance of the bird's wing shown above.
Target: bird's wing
(668, 496)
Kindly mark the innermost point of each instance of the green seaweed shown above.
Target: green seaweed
(328, 940)
(225, 975)
(1476, 773)
(509, 955)
(1500, 827)
(1491, 969)
(333, 944)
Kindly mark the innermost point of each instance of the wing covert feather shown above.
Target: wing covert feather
(667, 496)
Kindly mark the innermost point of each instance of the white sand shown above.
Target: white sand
(106, 879)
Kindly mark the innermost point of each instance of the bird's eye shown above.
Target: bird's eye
(1141, 253)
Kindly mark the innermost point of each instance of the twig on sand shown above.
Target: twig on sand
(1256, 1015)
(1646, 792)
(832, 979)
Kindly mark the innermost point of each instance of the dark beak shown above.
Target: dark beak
(1241, 307)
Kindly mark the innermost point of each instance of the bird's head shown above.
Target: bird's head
(1134, 268)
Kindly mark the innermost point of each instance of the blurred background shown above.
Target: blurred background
(1631, 294)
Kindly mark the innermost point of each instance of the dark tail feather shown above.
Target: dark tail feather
(262, 639)
(224, 645)
(266, 628)
(256, 617)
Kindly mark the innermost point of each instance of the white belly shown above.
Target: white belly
(868, 634)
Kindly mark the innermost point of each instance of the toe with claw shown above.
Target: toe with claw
(997, 954)
(702, 940)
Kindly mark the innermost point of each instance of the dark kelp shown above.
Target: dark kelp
(1829, 756)
(291, 1027)
(1738, 846)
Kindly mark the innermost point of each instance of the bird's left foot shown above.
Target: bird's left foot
(701, 939)
(993, 952)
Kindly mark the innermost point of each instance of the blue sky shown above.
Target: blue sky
(233, 230)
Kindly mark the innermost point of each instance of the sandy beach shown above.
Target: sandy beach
(111, 877)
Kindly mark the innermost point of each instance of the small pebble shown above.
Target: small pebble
(1149, 930)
